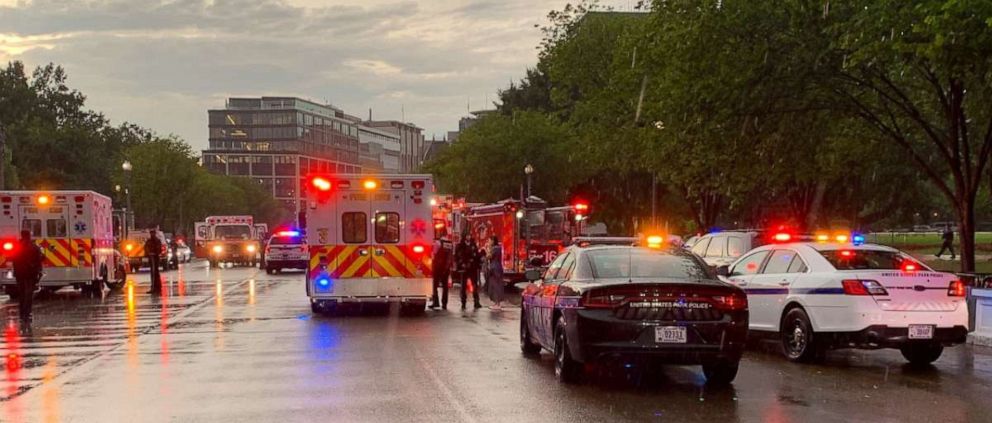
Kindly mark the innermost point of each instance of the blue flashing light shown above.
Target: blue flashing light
(857, 239)
(324, 282)
(289, 233)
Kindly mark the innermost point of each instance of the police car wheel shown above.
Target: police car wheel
(720, 372)
(798, 340)
(527, 346)
(922, 354)
(567, 370)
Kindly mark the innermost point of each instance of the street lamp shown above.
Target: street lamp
(525, 224)
(126, 166)
(528, 170)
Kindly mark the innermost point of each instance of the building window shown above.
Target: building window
(285, 165)
(238, 165)
(262, 165)
(285, 187)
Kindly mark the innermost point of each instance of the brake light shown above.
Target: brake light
(732, 302)
(863, 287)
(957, 289)
(909, 266)
(847, 253)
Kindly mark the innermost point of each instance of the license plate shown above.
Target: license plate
(669, 335)
(920, 331)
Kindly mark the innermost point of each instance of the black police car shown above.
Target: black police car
(645, 305)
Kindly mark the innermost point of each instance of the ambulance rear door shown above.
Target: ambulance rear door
(387, 204)
(350, 244)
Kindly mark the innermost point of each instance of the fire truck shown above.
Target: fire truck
(231, 239)
(370, 239)
(532, 234)
(74, 230)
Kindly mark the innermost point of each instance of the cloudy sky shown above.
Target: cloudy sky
(163, 63)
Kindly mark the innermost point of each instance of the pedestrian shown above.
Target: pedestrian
(494, 276)
(467, 263)
(174, 256)
(441, 266)
(27, 272)
(153, 250)
(948, 243)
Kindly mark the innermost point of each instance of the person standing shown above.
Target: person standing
(948, 243)
(494, 275)
(27, 272)
(153, 250)
(467, 262)
(441, 266)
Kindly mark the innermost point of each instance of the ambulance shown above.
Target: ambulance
(133, 250)
(74, 230)
(370, 239)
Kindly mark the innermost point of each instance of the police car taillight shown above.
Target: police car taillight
(732, 302)
(957, 289)
(863, 287)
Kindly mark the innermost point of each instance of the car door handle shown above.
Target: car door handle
(380, 251)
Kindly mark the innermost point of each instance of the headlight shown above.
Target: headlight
(251, 248)
(218, 249)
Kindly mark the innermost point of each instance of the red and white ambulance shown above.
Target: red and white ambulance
(370, 239)
(74, 230)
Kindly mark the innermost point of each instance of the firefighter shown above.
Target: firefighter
(468, 261)
(153, 250)
(27, 271)
(441, 265)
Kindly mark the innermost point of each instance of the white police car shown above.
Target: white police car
(832, 293)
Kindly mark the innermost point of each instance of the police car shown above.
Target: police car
(834, 291)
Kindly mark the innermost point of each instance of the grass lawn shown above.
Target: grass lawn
(925, 240)
(981, 266)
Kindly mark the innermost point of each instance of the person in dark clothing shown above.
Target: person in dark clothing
(153, 250)
(441, 266)
(174, 247)
(27, 272)
(468, 262)
(494, 274)
(948, 243)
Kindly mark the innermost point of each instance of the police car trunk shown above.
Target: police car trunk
(914, 303)
(370, 238)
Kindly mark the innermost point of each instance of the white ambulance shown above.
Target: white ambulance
(370, 239)
(74, 230)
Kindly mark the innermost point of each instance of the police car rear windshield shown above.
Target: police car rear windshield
(869, 260)
(643, 263)
(286, 240)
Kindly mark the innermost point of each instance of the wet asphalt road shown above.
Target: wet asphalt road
(240, 345)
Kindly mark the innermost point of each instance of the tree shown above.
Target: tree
(918, 73)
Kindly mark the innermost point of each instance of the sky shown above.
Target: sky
(162, 64)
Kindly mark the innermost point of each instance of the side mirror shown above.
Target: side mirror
(723, 271)
(532, 275)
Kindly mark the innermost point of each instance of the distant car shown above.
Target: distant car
(182, 253)
(649, 306)
(815, 296)
(722, 248)
(286, 249)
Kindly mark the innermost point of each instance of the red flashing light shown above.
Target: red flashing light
(8, 246)
(418, 249)
(909, 267)
(782, 237)
(417, 184)
(321, 184)
(847, 253)
(581, 207)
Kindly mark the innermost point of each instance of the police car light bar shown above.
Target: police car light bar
(289, 233)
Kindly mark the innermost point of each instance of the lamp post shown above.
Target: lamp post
(525, 223)
(126, 166)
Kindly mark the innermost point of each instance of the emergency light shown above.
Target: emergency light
(43, 199)
(8, 246)
(321, 184)
(370, 184)
(782, 237)
(289, 233)
(655, 241)
(857, 239)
